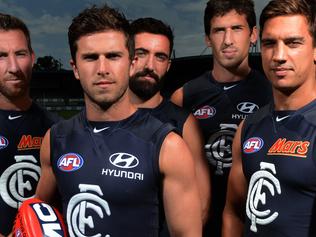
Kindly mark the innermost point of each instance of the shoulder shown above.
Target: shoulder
(48, 117)
(68, 125)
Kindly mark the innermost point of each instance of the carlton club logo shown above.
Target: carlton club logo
(219, 147)
(289, 148)
(205, 112)
(3, 142)
(260, 182)
(252, 145)
(70, 162)
(17, 180)
(77, 209)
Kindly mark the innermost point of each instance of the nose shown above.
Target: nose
(150, 62)
(228, 37)
(279, 53)
(102, 66)
(13, 64)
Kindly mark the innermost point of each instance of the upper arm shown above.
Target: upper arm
(177, 97)
(180, 191)
(233, 216)
(46, 187)
(192, 135)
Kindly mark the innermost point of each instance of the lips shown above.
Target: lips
(281, 71)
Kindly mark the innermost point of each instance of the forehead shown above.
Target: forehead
(151, 41)
(106, 41)
(12, 39)
(229, 19)
(286, 26)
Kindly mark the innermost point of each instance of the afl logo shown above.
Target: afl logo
(70, 162)
(205, 112)
(124, 160)
(3, 142)
(253, 145)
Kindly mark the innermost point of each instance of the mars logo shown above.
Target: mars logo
(3, 142)
(205, 112)
(219, 147)
(252, 145)
(70, 162)
(48, 220)
(18, 182)
(124, 160)
(260, 182)
(77, 209)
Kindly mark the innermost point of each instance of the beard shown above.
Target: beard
(145, 89)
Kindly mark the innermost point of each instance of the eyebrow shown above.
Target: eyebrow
(287, 39)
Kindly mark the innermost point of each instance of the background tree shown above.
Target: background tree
(47, 63)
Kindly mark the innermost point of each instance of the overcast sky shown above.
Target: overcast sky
(48, 21)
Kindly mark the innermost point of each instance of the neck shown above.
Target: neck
(19, 104)
(153, 102)
(119, 110)
(295, 100)
(222, 74)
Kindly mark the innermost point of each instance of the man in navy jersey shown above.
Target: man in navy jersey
(113, 164)
(272, 183)
(153, 47)
(223, 96)
(23, 123)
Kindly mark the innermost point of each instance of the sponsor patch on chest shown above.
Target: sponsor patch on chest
(285, 147)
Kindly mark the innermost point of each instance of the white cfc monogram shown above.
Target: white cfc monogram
(88, 198)
(265, 177)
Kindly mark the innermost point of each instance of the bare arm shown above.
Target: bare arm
(234, 211)
(46, 188)
(180, 192)
(193, 137)
(177, 97)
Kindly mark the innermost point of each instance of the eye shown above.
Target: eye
(90, 57)
(140, 53)
(162, 57)
(237, 28)
(113, 56)
(3, 55)
(22, 53)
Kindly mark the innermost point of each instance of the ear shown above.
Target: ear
(132, 66)
(169, 64)
(74, 69)
(208, 41)
(314, 55)
(33, 58)
(254, 35)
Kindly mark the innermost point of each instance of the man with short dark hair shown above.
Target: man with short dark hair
(23, 122)
(272, 183)
(223, 96)
(112, 164)
(153, 46)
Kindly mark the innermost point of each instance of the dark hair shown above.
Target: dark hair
(153, 26)
(215, 8)
(305, 8)
(98, 19)
(8, 22)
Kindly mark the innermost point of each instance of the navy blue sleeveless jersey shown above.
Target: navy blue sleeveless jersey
(21, 134)
(108, 174)
(278, 158)
(168, 112)
(219, 108)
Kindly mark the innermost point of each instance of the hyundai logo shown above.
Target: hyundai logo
(124, 160)
(247, 107)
